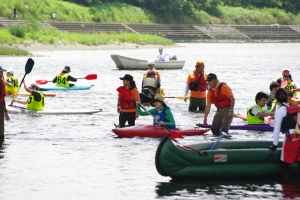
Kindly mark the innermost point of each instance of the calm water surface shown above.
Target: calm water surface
(78, 156)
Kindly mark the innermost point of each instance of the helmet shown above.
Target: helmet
(150, 62)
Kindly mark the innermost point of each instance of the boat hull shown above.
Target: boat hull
(126, 63)
(22, 110)
(154, 131)
(254, 127)
(75, 87)
(231, 160)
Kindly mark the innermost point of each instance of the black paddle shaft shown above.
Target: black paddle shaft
(28, 68)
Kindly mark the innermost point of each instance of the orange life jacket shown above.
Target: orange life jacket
(202, 83)
(220, 100)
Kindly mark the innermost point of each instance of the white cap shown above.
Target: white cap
(10, 71)
(150, 62)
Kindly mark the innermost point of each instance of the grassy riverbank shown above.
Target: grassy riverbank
(10, 51)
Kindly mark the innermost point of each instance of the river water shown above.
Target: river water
(79, 157)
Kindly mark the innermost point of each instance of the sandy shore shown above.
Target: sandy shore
(43, 47)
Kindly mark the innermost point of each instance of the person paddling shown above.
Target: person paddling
(62, 79)
(162, 114)
(11, 82)
(36, 100)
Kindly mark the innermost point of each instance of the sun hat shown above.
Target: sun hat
(158, 97)
(67, 69)
(2, 70)
(199, 63)
(150, 62)
(127, 77)
(211, 76)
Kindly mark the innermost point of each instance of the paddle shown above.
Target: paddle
(88, 77)
(126, 92)
(178, 97)
(28, 68)
(216, 142)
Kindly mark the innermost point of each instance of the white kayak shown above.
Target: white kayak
(22, 110)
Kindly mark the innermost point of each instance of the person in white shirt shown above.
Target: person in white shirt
(286, 123)
(162, 56)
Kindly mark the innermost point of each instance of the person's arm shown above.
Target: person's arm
(170, 117)
(206, 111)
(71, 78)
(8, 84)
(186, 91)
(24, 102)
(27, 88)
(279, 115)
(145, 113)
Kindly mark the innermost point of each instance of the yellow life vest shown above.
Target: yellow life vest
(62, 80)
(14, 84)
(253, 119)
(291, 86)
(32, 104)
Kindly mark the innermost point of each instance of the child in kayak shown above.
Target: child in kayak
(162, 114)
(36, 99)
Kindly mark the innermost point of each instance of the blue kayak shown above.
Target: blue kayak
(75, 87)
(254, 127)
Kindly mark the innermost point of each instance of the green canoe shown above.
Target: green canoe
(228, 160)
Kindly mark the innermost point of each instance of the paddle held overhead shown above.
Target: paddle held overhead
(28, 68)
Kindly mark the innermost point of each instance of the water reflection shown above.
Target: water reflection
(268, 189)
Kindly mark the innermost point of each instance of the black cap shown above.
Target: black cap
(160, 48)
(127, 77)
(34, 85)
(67, 69)
(211, 76)
(2, 70)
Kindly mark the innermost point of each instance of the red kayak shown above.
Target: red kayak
(244, 117)
(154, 131)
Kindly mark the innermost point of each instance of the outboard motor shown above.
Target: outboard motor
(173, 57)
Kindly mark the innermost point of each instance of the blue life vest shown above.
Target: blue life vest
(161, 116)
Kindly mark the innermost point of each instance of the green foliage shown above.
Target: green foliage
(10, 51)
(255, 16)
(53, 36)
(122, 13)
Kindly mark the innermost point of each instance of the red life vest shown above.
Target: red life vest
(220, 100)
(2, 92)
(126, 103)
(202, 83)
